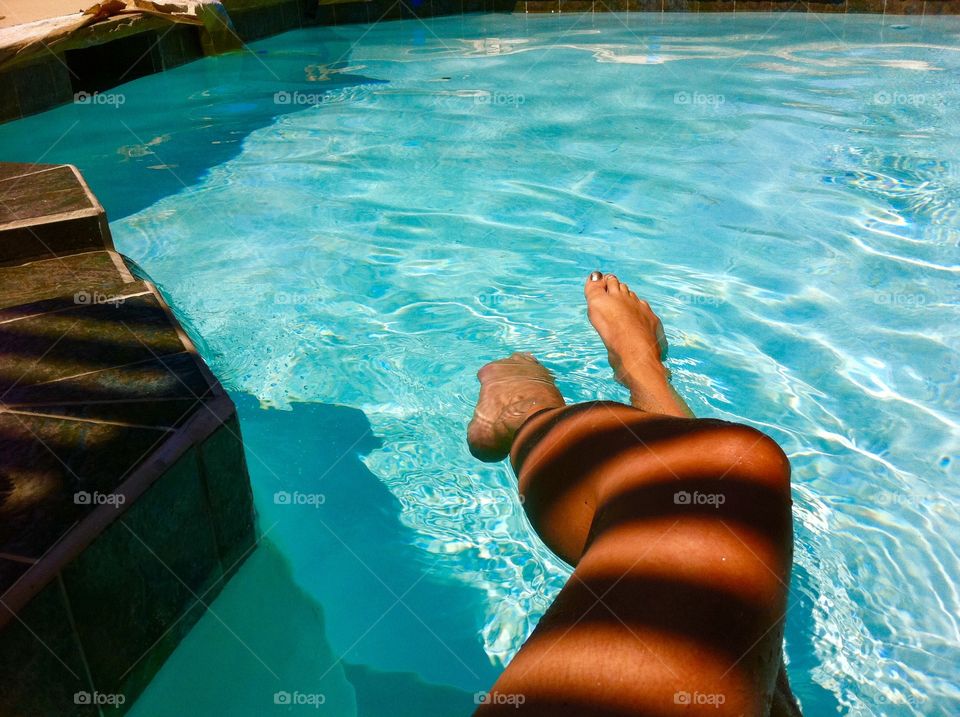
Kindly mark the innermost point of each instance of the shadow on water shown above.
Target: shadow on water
(402, 694)
(262, 649)
(336, 600)
(205, 109)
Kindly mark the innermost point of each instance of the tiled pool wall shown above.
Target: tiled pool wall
(152, 45)
(347, 13)
(276, 18)
(125, 503)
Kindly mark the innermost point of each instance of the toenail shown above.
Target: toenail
(596, 276)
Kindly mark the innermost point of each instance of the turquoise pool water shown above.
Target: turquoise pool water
(351, 220)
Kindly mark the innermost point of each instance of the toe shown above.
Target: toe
(624, 289)
(613, 283)
(594, 286)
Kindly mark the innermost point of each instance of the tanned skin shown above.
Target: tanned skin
(679, 530)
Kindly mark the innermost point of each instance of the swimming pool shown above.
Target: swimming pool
(351, 220)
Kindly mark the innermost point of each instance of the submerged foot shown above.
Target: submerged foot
(627, 325)
(511, 389)
(635, 342)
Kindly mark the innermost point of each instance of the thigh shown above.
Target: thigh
(680, 531)
(573, 461)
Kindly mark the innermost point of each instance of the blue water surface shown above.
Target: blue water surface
(351, 220)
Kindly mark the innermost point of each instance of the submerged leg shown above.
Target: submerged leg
(680, 533)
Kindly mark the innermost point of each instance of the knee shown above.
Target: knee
(752, 455)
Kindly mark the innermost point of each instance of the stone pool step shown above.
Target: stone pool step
(125, 503)
(48, 211)
(95, 271)
(76, 379)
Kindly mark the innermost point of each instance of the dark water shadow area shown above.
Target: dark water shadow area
(205, 109)
(262, 649)
(403, 694)
(391, 605)
(337, 599)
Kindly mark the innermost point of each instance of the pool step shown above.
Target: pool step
(48, 211)
(125, 503)
(94, 271)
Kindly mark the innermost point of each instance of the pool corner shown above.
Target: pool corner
(127, 504)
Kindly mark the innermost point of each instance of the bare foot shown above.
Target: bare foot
(511, 389)
(635, 342)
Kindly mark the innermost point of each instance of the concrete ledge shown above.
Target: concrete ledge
(125, 503)
(48, 62)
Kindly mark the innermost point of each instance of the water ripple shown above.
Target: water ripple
(789, 201)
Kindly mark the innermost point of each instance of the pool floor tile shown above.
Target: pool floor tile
(352, 13)
(716, 6)
(163, 553)
(645, 5)
(42, 84)
(569, 6)
(941, 7)
(54, 468)
(224, 469)
(542, 6)
(43, 652)
(611, 6)
(903, 7)
(827, 7)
